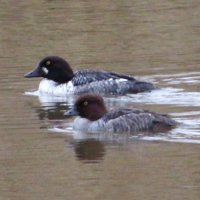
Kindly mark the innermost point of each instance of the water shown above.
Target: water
(42, 157)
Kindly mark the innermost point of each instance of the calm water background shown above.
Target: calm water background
(157, 41)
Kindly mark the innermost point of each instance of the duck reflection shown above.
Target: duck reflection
(52, 113)
(51, 107)
(89, 150)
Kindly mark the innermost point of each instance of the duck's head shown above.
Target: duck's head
(88, 106)
(54, 68)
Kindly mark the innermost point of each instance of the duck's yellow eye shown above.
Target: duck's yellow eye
(48, 62)
(85, 103)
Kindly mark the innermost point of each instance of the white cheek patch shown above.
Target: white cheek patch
(45, 70)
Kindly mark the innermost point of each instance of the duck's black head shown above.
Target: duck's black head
(89, 106)
(54, 68)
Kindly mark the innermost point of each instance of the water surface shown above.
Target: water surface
(42, 157)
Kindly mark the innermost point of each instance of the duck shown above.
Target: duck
(93, 116)
(60, 80)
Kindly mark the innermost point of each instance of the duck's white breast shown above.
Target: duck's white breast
(53, 88)
(82, 124)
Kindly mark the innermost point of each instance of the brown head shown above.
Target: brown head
(88, 106)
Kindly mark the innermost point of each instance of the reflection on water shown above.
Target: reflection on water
(52, 112)
(42, 157)
(89, 150)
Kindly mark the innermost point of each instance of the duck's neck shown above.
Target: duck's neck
(99, 113)
(63, 78)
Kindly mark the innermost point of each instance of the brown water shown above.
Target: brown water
(155, 41)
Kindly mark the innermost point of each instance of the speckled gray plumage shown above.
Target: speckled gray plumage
(87, 81)
(133, 120)
(86, 76)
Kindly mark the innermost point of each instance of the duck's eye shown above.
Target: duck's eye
(85, 103)
(48, 62)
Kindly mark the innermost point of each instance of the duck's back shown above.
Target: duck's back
(83, 77)
(128, 120)
(103, 82)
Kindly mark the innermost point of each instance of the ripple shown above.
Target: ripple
(168, 96)
(166, 139)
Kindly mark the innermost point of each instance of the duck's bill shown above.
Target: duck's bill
(35, 73)
(71, 112)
